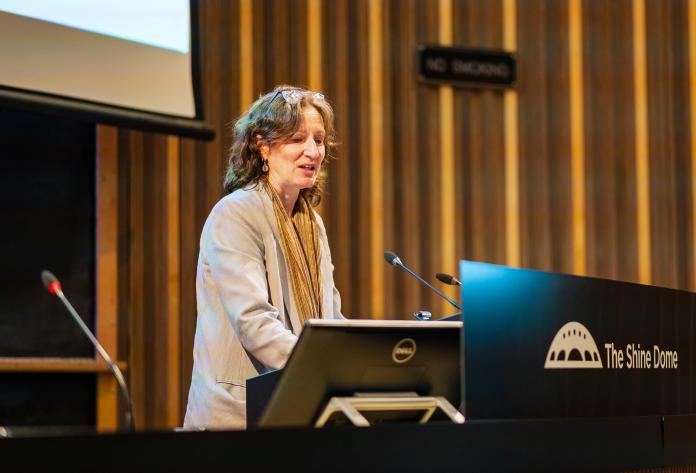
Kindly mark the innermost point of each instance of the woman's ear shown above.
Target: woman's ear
(262, 146)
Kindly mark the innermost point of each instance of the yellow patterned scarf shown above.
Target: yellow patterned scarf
(300, 241)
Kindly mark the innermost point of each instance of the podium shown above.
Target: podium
(537, 344)
(546, 345)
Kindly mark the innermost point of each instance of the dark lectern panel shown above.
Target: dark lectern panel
(542, 344)
(47, 209)
(680, 440)
(575, 445)
(47, 399)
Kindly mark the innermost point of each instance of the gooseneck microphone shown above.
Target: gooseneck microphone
(448, 279)
(54, 287)
(393, 259)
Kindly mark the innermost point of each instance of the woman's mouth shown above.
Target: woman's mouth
(308, 169)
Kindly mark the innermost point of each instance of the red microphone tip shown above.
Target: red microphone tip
(54, 287)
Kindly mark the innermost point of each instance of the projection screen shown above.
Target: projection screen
(133, 55)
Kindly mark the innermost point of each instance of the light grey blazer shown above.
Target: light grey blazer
(247, 320)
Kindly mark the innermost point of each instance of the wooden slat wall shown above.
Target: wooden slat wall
(552, 175)
(669, 164)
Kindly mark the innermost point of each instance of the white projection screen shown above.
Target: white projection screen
(132, 57)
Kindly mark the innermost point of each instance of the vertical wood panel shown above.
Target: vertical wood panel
(600, 159)
(218, 56)
(246, 55)
(667, 83)
(680, 136)
(482, 196)
(107, 272)
(660, 128)
(358, 136)
(558, 137)
(132, 147)
(426, 231)
(173, 282)
(610, 169)
(533, 88)
(277, 45)
(408, 165)
(448, 238)
(297, 44)
(314, 44)
(153, 298)
(577, 138)
(389, 164)
(692, 122)
(190, 225)
(642, 143)
(154, 276)
(376, 110)
(511, 125)
(259, 31)
(337, 203)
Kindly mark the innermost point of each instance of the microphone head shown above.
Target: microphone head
(392, 258)
(444, 277)
(50, 281)
(447, 279)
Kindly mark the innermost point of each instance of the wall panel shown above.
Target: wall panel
(407, 166)
(535, 83)
(426, 230)
(479, 144)
(334, 206)
(670, 171)
(610, 140)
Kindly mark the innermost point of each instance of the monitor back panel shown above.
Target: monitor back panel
(341, 361)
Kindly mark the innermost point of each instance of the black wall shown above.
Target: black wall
(47, 221)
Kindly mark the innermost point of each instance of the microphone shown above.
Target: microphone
(54, 287)
(393, 259)
(448, 279)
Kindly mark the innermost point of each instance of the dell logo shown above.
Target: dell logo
(404, 350)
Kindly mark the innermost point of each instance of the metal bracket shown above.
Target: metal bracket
(352, 406)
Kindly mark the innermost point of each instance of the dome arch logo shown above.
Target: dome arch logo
(573, 347)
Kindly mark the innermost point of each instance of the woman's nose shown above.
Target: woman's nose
(311, 148)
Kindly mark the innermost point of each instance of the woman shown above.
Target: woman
(264, 265)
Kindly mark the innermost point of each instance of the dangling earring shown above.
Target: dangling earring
(264, 168)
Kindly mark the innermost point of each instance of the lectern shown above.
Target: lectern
(363, 372)
(547, 345)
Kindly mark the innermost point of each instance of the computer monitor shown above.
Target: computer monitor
(345, 357)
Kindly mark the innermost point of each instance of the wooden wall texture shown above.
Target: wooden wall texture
(586, 167)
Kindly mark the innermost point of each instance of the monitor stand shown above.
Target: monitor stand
(352, 407)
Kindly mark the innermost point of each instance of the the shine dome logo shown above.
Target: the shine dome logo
(573, 347)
